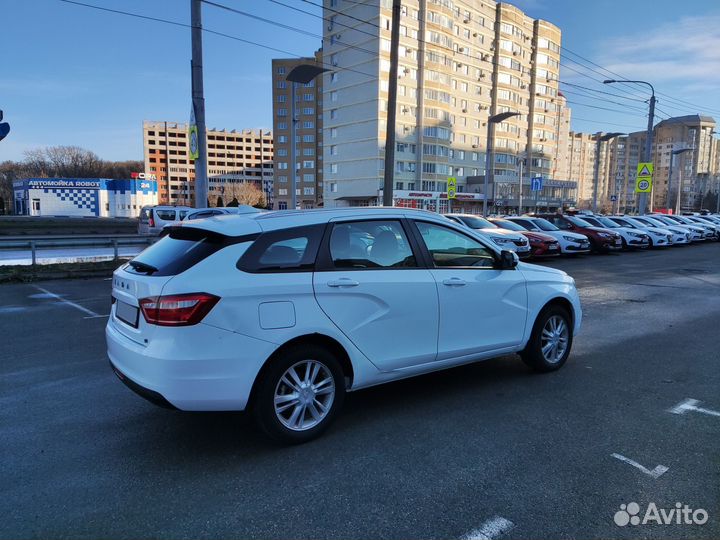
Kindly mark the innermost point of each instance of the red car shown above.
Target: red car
(602, 240)
(541, 245)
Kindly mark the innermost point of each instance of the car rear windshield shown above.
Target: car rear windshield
(177, 251)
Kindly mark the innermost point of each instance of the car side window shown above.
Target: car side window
(560, 223)
(182, 214)
(286, 250)
(370, 244)
(452, 249)
(165, 215)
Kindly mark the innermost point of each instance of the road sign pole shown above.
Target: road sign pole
(642, 201)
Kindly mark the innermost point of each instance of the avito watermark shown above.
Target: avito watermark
(680, 514)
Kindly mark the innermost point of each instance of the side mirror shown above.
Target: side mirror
(508, 259)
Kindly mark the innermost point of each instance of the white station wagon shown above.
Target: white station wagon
(282, 313)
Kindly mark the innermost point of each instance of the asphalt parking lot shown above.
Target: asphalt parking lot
(479, 451)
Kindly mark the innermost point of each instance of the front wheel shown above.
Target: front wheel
(298, 396)
(549, 345)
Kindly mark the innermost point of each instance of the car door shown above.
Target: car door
(370, 282)
(482, 308)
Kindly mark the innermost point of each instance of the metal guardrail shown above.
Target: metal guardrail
(36, 243)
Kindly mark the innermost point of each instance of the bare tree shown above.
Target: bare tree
(245, 193)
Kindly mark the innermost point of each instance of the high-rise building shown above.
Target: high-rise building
(460, 63)
(234, 158)
(309, 130)
(692, 170)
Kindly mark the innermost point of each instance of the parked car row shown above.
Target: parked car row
(548, 234)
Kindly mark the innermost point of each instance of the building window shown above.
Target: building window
(308, 151)
(282, 152)
(282, 112)
(333, 132)
(281, 70)
(333, 95)
(308, 138)
(282, 191)
(308, 110)
(308, 97)
(308, 164)
(282, 85)
(333, 114)
(334, 77)
(308, 124)
(332, 187)
(282, 165)
(282, 125)
(333, 150)
(282, 98)
(333, 168)
(282, 139)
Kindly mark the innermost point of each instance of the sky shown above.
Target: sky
(71, 75)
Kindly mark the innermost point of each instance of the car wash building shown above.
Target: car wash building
(83, 197)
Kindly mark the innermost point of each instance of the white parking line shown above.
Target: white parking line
(657, 472)
(690, 405)
(492, 528)
(68, 302)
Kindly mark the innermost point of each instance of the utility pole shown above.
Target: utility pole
(389, 175)
(521, 186)
(293, 147)
(198, 102)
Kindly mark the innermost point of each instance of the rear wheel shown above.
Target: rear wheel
(298, 396)
(551, 340)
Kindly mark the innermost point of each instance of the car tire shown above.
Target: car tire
(306, 407)
(544, 335)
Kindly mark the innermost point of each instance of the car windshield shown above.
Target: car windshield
(607, 222)
(638, 222)
(653, 222)
(544, 224)
(578, 221)
(507, 224)
(475, 222)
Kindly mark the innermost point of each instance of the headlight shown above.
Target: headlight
(572, 239)
(604, 235)
(635, 235)
(500, 240)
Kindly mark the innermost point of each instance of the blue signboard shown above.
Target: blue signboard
(536, 183)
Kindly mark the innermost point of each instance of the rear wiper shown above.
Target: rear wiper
(143, 267)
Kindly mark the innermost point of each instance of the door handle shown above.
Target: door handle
(454, 282)
(343, 282)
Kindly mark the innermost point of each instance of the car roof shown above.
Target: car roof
(233, 224)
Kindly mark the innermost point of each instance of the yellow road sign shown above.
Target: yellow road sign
(451, 187)
(643, 184)
(645, 169)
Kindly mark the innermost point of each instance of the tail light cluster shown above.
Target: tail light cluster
(151, 221)
(177, 309)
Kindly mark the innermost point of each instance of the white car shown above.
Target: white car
(570, 242)
(697, 233)
(679, 235)
(202, 213)
(708, 230)
(660, 236)
(632, 238)
(714, 228)
(503, 238)
(283, 312)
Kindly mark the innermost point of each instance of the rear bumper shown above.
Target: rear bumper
(199, 368)
(153, 397)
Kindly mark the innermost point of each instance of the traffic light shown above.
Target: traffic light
(4, 127)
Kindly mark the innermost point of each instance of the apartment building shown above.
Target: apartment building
(460, 63)
(309, 140)
(693, 170)
(234, 157)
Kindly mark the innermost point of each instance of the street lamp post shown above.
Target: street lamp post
(600, 139)
(709, 168)
(303, 74)
(670, 171)
(490, 153)
(642, 200)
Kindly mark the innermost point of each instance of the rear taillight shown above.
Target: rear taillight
(151, 222)
(177, 309)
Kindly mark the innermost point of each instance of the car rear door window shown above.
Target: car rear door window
(288, 250)
(370, 244)
(451, 249)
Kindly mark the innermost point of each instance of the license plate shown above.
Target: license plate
(552, 247)
(618, 242)
(126, 313)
